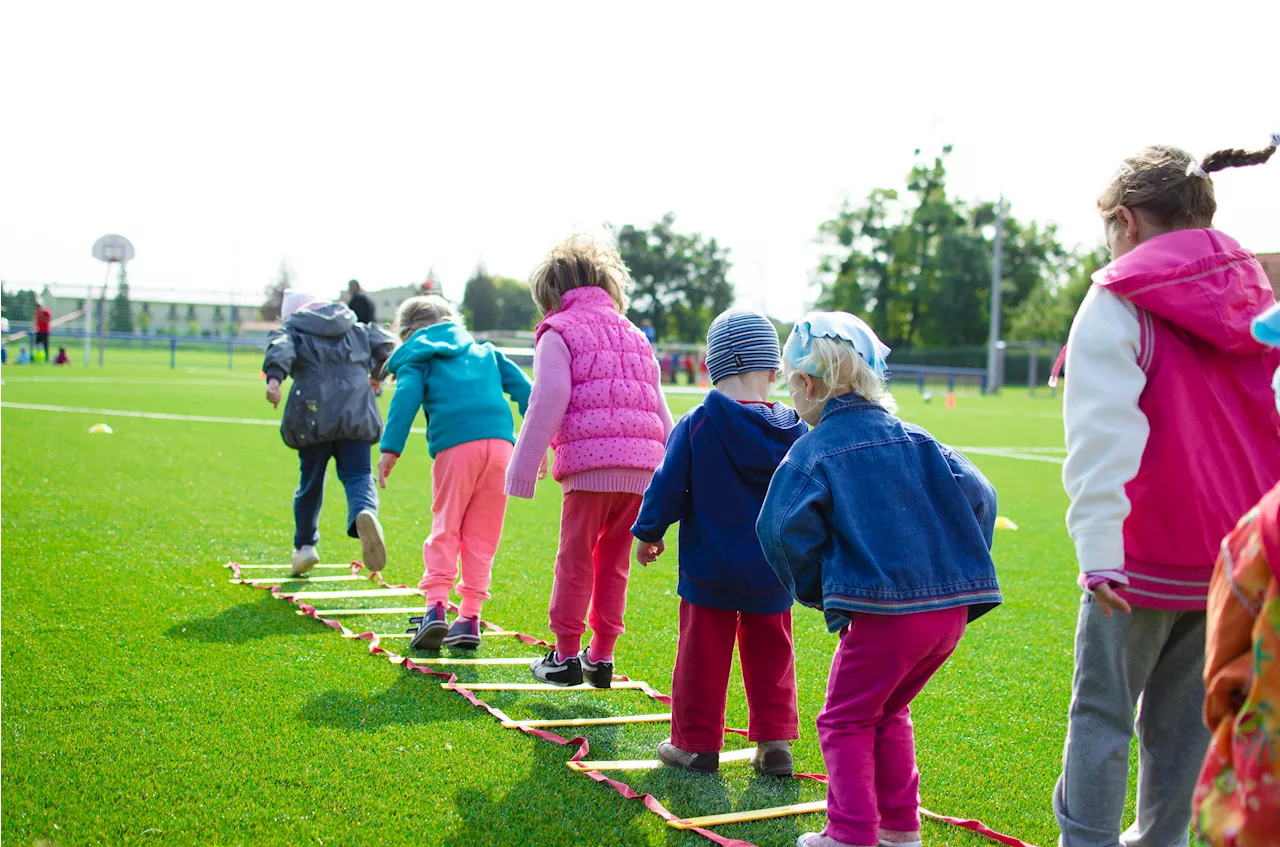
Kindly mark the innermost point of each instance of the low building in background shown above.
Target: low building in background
(181, 314)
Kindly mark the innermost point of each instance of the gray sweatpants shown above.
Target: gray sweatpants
(1158, 655)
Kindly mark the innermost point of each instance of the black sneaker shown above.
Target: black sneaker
(465, 632)
(431, 628)
(564, 674)
(599, 674)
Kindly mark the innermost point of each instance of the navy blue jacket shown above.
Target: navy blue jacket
(870, 514)
(720, 458)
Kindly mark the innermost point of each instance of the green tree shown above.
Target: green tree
(273, 305)
(917, 265)
(681, 279)
(1048, 311)
(516, 311)
(480, 303)
(121, 318)
(19, 305)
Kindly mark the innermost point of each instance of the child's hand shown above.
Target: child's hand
(385, 464)
(647, 553)
(375, 384)
(544, 467)
(273, 392)
(1110, 602)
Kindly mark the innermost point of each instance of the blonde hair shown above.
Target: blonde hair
(1162, 181)
(843, 370)
(580, 261)
(423, 311)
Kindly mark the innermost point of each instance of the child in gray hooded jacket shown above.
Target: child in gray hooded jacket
(331, 413)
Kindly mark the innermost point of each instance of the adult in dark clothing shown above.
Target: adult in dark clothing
(361, 304)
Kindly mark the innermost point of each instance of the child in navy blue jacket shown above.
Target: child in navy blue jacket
(719, 461)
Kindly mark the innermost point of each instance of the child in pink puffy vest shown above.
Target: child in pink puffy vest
(598, 404)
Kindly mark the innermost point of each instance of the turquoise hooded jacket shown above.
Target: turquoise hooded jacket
(459, 383)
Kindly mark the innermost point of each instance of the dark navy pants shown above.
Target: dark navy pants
(357, 478)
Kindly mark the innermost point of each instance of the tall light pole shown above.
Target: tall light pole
(993, 341)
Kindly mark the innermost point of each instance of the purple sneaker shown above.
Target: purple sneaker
(465, 632)
(431, 628)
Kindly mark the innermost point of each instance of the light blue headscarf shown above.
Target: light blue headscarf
(840, 325)
(1266, 328)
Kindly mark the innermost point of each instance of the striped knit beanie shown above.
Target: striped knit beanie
(740, 341)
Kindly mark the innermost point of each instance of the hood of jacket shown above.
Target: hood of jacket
(445, 339)
(1200, 280)
(755, 438)
(331, 319)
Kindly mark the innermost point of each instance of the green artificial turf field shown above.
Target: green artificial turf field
(146, 699)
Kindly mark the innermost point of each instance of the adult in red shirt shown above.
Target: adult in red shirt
(43, 318)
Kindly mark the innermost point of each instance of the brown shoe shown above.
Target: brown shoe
(773, 758)
(672, 755)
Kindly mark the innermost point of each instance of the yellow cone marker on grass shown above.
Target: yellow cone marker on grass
(99, 428)
(1004, 523)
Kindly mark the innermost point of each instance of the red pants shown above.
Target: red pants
(592, 567)
(700, 684)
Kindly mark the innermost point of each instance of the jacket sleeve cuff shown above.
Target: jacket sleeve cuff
(395, 453)
(275, 372)
(646, 534)
(1100, 550)
(521, 488)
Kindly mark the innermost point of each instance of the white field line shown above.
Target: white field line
(1030, 454)
(156, 416)
(113, 380)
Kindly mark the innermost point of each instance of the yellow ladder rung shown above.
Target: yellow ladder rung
(757, 815)
(359, 592)
(536, 686)
(650, 764)
(395, 610)
(485, 634)
(613, 719)
(272, 567)
(269, 580)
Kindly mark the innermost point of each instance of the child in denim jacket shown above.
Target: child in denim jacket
(889, 533)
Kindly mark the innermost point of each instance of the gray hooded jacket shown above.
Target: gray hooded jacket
(330, 357)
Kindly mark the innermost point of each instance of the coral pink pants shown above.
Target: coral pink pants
(882, 663)
(467, 506)
(592, 568)
(700, 684)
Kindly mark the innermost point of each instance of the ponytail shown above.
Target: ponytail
(1236, 158)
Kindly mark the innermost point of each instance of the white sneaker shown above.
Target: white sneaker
(373, 550)
(304, 559)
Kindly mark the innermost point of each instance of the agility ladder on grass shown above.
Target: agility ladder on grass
(539, 728)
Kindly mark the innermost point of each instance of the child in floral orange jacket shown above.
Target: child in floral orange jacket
(1237, 800)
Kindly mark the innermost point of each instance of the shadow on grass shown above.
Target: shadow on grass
(413, 699)
(246, 622)
(550, 805)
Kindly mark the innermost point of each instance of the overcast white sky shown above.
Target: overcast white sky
(376, 140)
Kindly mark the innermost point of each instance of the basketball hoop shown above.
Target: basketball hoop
(113, 248)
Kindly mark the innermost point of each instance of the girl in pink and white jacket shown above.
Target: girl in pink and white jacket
(598, 402)
(1171, 434)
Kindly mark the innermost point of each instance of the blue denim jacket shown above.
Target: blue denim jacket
(870, 514)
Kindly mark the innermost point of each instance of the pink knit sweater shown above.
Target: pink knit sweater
(552, 387)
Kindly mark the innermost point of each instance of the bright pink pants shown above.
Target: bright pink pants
(592, 568)
(881, 664)
(700, 684)
(467, 506)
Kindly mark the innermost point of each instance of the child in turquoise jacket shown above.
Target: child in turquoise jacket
(459, 383)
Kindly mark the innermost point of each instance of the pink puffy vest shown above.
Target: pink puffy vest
(1214, 445)
(612, 420)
